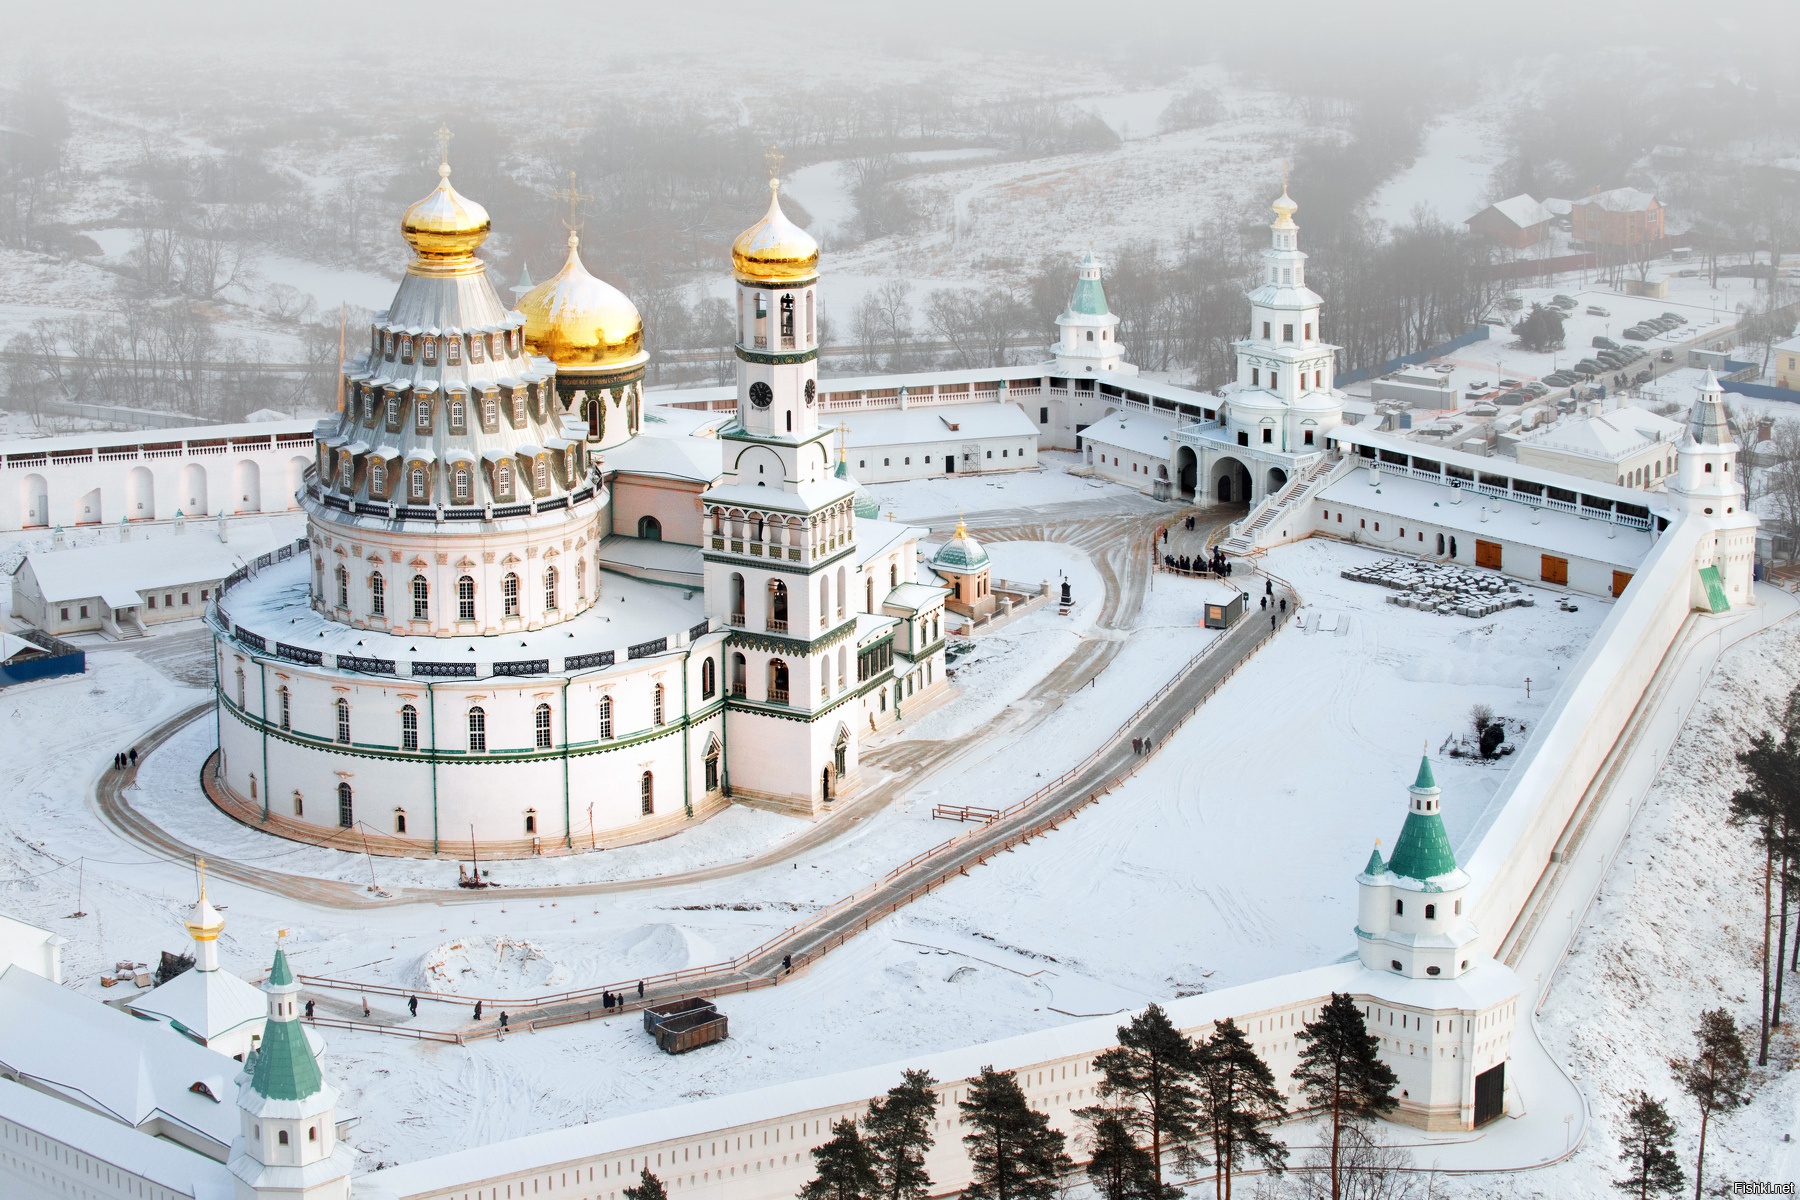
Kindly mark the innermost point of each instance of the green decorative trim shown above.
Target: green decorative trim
(596, 376)
(777, 359)
(805, 717)
(774, 643)
(737, 433)
(395, 754)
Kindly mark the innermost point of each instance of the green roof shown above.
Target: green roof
(1090, 298)
(1716, 599)
(1426, 779)
(960, 554)
(1376, 866)
(283, 1067)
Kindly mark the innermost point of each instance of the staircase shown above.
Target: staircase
(1247, 535)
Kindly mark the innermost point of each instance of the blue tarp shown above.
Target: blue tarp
(43, 668)
(1761, 391)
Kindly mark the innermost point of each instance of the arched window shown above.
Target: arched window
(738, 673)
(647, 794)
(453, 350)
(343, 721)
(708, 679)
(457, 422)
(253, 785)
(377, 478)
(656, 705)
(550, 604)
(893, 575)
(531, 820)
(541, 726)
(712, 767)
(541, 475)
(283, 695)
(465, 598)
(461, 476)
(346, 809)
(399, 820)
(428, 346)
(1431, 912)
(606, 721)
(650, 529)
(870, 608)
(842, 591)
(787, 321)
(778, 606)
(343, 585)
(377, 595)
(824, 602)
(477, 730)
(737, 599)
(299, 805)
(421, 593)
(422, 415)
(778, 681)
(581, 581)
(409, 727)
(1399, 908)
(240, 687)
(281, 1136)
(418, 483)
(509, 593)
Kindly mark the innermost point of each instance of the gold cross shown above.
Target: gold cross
(774, 157)
(1284, 175)
(443, 136)
(574, 198)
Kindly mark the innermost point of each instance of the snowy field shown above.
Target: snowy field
(951, 496)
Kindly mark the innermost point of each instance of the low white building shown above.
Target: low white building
(1132, 447)
(1628, 447)
(209, 1005)
(120, 588)
(37, 950)
(890, 445)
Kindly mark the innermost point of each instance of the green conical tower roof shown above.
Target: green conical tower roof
(1423, 851)
(283, 1067)
(1089, 299)
(1376, 866)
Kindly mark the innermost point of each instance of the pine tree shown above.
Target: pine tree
(1341, 1072)
(648, 1187)
(1119, 1168)
(1153, 1068)
(846, 1168)
(1717, 1077)
(1013, 1152)
(1651, 1167)
(1238, 1099)
(899, 1134)
(1769, 802)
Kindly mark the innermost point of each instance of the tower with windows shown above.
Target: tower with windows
(288, 1142)
(1707, 486)
(1283, 400)
(1410, 917)
(781, 536)
(1088, 331)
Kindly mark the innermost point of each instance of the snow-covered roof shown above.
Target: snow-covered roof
(640, 554)
(149, 1157)
(1475, 515)
(210, 1004)
(1139, 432)
(1612, 436)
(914, 596)
(115, 1064)
(1622, 199)
(697, 459)
(1791, 346)
(26, 945)
(258, 428)
(1522, 210)
(118, 571)
(936, 423)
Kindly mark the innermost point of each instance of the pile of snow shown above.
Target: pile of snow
(486, 966)
(1442, 587)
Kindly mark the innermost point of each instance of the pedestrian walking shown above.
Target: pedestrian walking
(1271, 620)
(478, 1010)
(365, 1001)
(787, 963)
(309, 1010)
(1268, 587)
(1137, 745)
(640, 989)
(412, 1005)
(1284, 604)
(503, 1026)
(134, 756)
(1265, 602)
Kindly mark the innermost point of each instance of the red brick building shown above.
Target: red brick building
(1620, 217)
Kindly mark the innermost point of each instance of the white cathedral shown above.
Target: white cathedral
(522, 622)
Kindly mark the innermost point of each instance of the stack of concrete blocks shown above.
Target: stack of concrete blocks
(1443, 587)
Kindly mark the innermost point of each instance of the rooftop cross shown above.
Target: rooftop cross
(574, 199)
(774, 157)
(443, 136)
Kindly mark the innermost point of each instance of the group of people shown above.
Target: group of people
(1213, 564)
(612, 1000)
(125, 758)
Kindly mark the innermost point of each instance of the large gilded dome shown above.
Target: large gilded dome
(775, 250)
(576, 320)
(445, 225)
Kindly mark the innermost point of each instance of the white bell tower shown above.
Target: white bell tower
(1707, 486)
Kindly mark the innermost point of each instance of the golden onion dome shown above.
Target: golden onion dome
(775, 250)
(576, 320)
(446, 224)
(1285, 208)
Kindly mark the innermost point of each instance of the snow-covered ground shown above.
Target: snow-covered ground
(1051, 483)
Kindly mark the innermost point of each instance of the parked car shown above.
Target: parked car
(1676, 317)
(1614, 361)
(1590, 366)
(1666, 356)
(1537, 389)
(1605, 343)
(1509, 383)
(1561, 300)
(1559, 379)
(1493, 321)
(1637, 333)
(1516, 396)
(1594, 310)
(1478, 385)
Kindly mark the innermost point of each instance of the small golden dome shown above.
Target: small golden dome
(576, 320)
(204, 922)
(445, 225)
(1285, 208)
(775, 250)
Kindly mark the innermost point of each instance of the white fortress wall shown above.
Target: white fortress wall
(755, 1145)
(53, 1150)
(1559, 763)
(200, 470)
